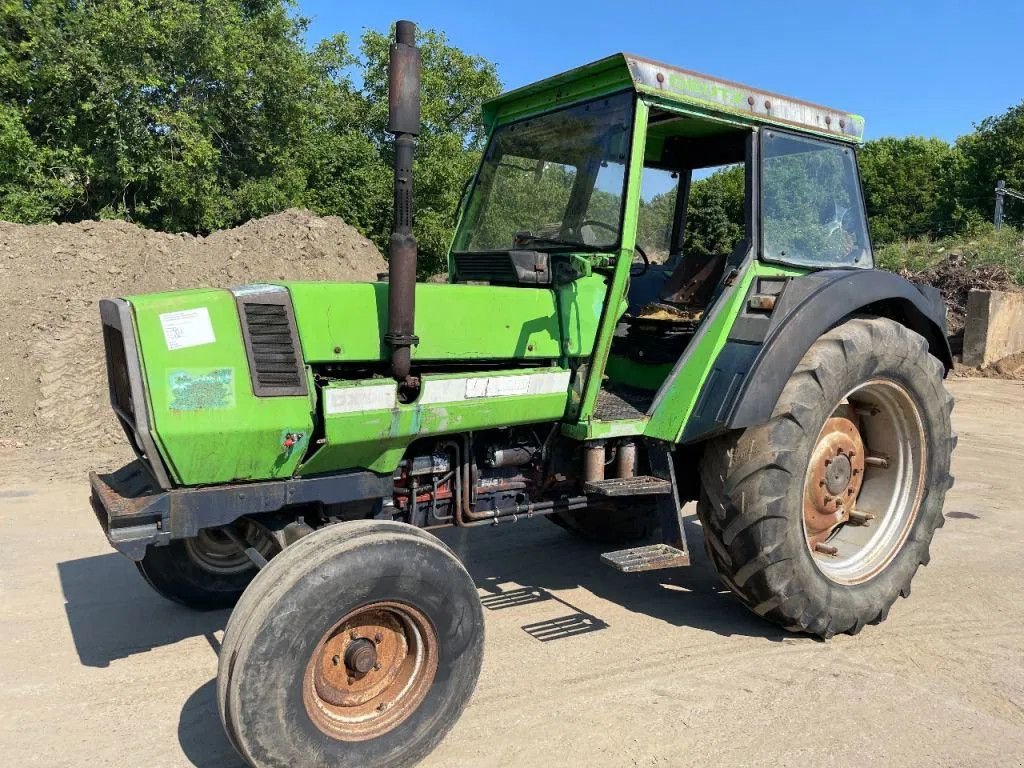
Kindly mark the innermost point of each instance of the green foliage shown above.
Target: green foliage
(909, 186)
(714, 216)
(985, 247)
(191, 116)
(994, 151)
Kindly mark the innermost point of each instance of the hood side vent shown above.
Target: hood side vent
(272, 344)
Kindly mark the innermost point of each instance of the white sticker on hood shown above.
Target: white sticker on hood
(187, 328)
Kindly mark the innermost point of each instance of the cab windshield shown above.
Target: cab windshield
(553, 181)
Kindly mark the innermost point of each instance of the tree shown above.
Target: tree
(715, 218)
(176, 114)
(190, 116)
(453, 86)
(994, 151)
(909, 187)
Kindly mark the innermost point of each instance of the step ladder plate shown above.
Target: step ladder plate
(649, 558)
(641, 485)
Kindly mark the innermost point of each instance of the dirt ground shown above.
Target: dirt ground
(584, 666)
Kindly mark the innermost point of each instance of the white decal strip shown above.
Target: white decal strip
(374, 397)
(457, 390)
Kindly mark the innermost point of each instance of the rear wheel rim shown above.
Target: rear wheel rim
(864, 482)
(370, 671)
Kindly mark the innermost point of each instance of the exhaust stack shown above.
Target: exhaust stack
(404, 125)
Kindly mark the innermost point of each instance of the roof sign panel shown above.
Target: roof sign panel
(740, 99)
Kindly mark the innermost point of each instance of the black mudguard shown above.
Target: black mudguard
(763, 349)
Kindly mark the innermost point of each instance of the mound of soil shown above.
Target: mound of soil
(955, 277)
(53, 390)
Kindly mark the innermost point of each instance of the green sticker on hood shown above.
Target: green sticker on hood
(202, 389)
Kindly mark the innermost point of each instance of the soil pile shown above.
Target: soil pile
(955, 277)
(53, 390)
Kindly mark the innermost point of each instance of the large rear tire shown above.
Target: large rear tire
(819, 519)
(358, 645)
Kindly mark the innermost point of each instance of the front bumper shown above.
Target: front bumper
(136, 513)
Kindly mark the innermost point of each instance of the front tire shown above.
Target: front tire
(360, 644)
(819, 519)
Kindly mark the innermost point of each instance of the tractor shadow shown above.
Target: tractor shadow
(113, 614)
(200, 734)
(522, 563)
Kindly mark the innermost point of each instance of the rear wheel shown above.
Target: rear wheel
(358, 645)
(819, 519)
(205, 572)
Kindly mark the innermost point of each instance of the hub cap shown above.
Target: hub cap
(215, 552)
(864, 482)
(834, 475)
(371, 671)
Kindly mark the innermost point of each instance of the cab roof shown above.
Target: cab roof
(672, 85)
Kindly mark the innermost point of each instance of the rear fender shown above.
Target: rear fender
(763, 350)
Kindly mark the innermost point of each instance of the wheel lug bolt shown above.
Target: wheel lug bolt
(382, 706)
(351, 679)
(354, 635)
(378, 637)
(376, 667)
(336, 660)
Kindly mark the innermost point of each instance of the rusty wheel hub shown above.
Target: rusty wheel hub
(865, 481)
(834, 476)
(371, 671)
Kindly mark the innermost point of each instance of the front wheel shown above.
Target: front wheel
(358, 645)
(819, 519)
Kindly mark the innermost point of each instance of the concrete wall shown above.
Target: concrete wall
(995, 326)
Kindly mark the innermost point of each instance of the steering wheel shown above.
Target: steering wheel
(614, 230)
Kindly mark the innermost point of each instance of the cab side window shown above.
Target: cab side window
(812, 211)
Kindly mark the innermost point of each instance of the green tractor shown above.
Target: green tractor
(596, 358)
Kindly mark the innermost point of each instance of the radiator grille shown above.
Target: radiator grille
(117, 372)
(272, 346)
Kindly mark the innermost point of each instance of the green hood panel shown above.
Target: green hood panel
(208, 424)
(346, 322)
(210, 427)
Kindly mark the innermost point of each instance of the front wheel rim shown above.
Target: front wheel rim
(213, 551)
(370, 671)
(864, 482)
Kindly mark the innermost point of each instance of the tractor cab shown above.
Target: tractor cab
(678, 192)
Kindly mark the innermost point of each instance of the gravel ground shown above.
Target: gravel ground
(95, 670)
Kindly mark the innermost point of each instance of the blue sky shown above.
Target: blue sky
(924, 67)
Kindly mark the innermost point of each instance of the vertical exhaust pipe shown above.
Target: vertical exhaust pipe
(404, 125)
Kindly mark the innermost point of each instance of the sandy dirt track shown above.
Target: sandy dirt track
(584, 666)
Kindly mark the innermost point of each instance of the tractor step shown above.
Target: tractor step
(641, 485)
(649, 558)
